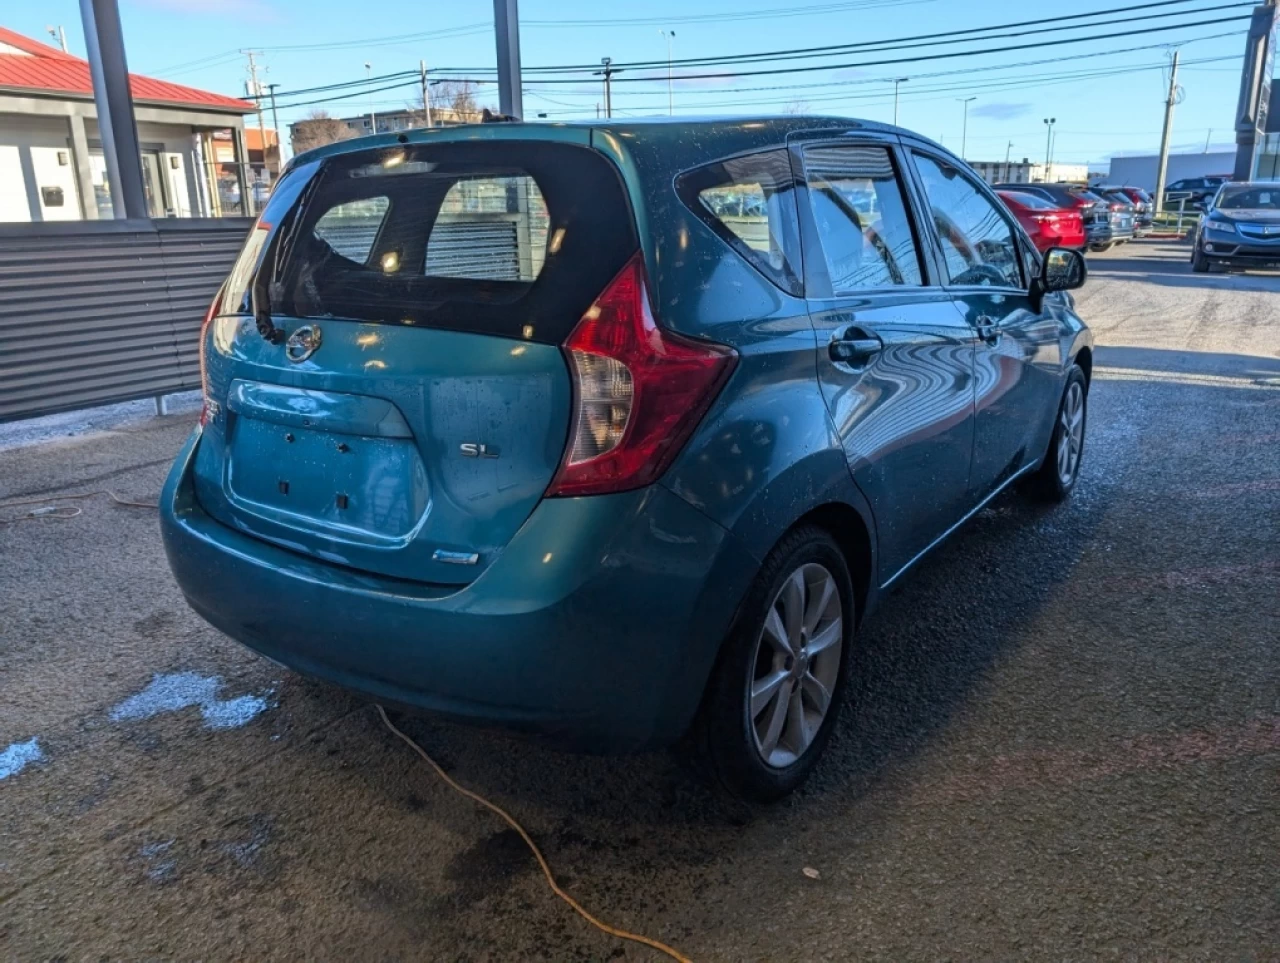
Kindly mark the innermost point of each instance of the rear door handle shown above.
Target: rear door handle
(988, 329)
(854, 345)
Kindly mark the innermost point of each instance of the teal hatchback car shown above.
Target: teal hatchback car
(617, 430)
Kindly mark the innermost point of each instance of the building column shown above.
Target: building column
(84, 172)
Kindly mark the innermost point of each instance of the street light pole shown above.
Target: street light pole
(896, 83)
(670, 35)
(964, 132)
(1048, 144)
(373, 119)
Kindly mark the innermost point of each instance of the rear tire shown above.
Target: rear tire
(1056, 477)
(774, 695)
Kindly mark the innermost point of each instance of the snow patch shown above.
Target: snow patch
(172, 692)
(18, 756)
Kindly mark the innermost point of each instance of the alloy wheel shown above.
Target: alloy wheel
(1071, 433)
(796, 665)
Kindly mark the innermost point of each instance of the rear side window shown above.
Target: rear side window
(751, 203)
(861, 218)
(351, 228)
(509, 238)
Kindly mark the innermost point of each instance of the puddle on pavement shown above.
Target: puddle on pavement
(174, 691)
(18, 756)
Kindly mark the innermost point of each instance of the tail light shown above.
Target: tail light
(208, 407)
(639, 391)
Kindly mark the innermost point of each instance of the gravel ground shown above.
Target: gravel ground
(1063, 742)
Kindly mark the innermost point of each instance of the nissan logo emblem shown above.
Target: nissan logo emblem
(303, 343)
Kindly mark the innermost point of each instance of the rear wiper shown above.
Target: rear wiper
(260, 301)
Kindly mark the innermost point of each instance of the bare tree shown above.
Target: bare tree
(318, 129)
(796, 107)
(452, 102)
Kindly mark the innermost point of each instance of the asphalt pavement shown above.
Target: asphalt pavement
(1063, 741)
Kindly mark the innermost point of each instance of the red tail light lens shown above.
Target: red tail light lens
(639, 391)
(206, 412)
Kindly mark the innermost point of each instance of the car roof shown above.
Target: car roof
(680, 137)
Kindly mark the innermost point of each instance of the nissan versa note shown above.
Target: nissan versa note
(615, 431)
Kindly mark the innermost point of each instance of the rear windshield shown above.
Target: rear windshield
(508, 238)
(1030, 201)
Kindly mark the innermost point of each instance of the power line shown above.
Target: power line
(774, 71)
(1020, 82)
(768, 14)
(931, 39)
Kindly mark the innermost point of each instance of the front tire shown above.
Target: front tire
(1056, 477)
(775, 693)
(1199, 263)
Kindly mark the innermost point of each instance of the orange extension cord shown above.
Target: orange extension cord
(537, 853)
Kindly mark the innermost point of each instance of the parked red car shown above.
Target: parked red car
(1048, 224)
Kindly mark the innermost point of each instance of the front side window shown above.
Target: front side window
(750, 202)
(861, 218)
(978, 242)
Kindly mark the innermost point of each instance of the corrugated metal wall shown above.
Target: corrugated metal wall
(97, 312)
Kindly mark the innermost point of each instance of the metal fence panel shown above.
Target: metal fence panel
(98, 312)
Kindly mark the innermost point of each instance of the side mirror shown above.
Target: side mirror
(1061, 269)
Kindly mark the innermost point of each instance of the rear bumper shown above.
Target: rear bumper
(597, 626)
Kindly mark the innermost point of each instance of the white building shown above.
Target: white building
(51, 161)
(1025, 172)
(1140, 170)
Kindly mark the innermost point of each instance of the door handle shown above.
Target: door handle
(988, 329)
(854, 345)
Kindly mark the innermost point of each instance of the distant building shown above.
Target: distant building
(1140, 170)
(391, 121)
(51, 162)
(1025, 172)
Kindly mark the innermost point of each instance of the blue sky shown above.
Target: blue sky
(196, 42)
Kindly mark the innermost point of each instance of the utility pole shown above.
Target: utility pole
(275, 122)
(670, 35)
(964, 132)
(60, 35)
(1048, 144)
(255, 91)
(426, 94)
(1208, 137)
(1169, 103)
(607, 73)
(373, 118)
(899, 81)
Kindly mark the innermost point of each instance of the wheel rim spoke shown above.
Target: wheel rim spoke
(817, 692)
(777, 719)
(797, 731)
(819, 599)
(793, 592)
(764, 690)
(776, 633)
(826, 638)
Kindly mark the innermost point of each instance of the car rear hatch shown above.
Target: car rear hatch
(385, 383)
